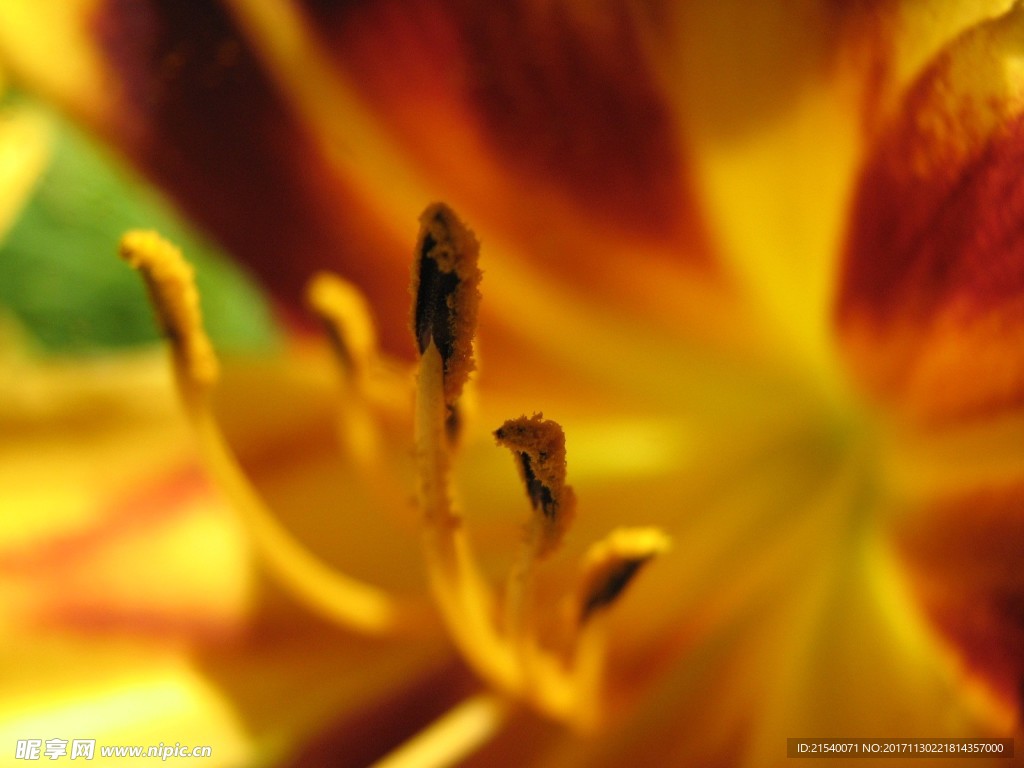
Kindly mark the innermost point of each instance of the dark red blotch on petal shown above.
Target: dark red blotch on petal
(202, 118)
(581, 111)
(931, 300)
(920, 243)
(964, 557)
(561, 99)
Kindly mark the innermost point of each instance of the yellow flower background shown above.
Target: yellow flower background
(762, 261)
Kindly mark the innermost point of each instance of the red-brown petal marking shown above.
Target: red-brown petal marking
(931, 307)
(584, 173)
(555, 110)
(931, 315)
(966, 558)
(564, 99)
(198, 114)
(79, 578)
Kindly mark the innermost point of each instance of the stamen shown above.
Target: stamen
(453, 737)
(346, 318)
(609, 567)
(611, 564)
(444, 317)
(564, 686)
(171, 284)
(539, 448)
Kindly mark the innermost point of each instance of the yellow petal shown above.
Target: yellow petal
(119, 694)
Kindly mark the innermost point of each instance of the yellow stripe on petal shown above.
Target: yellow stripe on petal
(167, 563)
(778, 206)
(861, 658)
(346, 133)
(104, 509)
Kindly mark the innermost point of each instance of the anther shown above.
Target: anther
(345, 316)
(611, 565)
(539, 447)
(445, 286)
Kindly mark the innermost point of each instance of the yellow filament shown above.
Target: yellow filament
(466, 602)
(586, 672)
(520, 605)
(325, 591)
(519, 595)
(456, 735)
(171, 283)
(512, 661)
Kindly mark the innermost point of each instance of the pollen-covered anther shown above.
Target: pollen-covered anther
(538, 445)
(445, 287)
(170, 281)
(611, 564)
(345, 315)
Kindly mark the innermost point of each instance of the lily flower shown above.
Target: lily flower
(740, 286)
